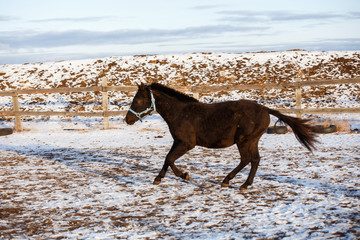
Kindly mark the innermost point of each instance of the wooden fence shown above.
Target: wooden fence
(196, 90)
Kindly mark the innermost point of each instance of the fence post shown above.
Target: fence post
(105, 101)
(298, 98)
(16, 106)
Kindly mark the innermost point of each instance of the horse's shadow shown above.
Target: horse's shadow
(116, 158)
(85, 160)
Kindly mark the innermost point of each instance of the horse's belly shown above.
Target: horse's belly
(217, 142)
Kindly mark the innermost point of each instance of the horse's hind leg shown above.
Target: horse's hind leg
(176, 151)
(249, 153)
(254, 166)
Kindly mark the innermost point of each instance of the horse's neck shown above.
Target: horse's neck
(168, 107)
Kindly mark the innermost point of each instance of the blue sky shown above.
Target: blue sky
(49, 30)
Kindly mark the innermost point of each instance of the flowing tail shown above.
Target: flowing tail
(304, 132)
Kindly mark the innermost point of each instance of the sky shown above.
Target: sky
(49, 30)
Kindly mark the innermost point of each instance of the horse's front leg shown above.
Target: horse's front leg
(233, 173)
(177, 150)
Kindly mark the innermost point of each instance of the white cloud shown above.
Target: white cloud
(30, 39)
(277, 16)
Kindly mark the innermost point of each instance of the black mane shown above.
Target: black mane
(171, 92)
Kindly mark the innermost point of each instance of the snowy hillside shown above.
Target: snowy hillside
(190, 70)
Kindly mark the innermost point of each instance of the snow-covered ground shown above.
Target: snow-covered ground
(97, 184)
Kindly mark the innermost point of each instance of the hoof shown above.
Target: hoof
(243, 188)
(156, 182)
(224, 184)
(186, 176)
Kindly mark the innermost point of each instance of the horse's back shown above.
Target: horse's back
(249, 116)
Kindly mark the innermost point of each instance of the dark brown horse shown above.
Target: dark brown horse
(216, 125)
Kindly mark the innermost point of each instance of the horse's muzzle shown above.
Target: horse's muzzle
(130, 120)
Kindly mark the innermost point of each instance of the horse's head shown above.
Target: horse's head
(142, 105)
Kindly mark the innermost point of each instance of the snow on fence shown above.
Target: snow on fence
(196, 90)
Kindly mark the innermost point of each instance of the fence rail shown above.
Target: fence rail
(196, 90)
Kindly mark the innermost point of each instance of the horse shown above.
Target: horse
(212, 125)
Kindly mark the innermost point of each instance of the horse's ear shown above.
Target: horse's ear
(142, 87)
